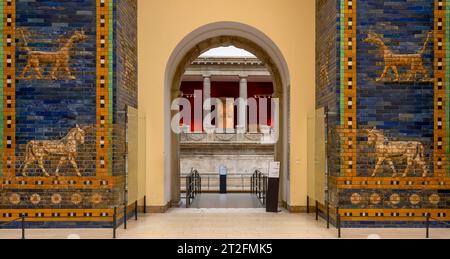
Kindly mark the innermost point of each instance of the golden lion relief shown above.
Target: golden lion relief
(58, 60)
(392, 61)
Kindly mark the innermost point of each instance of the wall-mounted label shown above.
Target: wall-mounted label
(274, 169)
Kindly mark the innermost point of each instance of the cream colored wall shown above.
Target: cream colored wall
(164, 23)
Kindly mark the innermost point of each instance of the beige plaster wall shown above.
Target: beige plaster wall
(164, 23)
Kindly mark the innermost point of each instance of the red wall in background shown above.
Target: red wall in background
(226, 89)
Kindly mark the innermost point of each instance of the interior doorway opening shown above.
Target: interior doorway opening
(237, 141)
(186, 69)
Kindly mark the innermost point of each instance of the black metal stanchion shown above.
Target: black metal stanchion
(136, 210)
(125, 208)
(317, 211)
(338, 223)
(23, 227)
(328, 215)
(187, 193)
(125, 217)
(428, 225)
(114, 223)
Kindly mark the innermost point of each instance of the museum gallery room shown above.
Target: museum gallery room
(202, 120)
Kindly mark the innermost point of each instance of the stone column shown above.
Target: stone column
(206, 88)
(206, 96)
(243, 95)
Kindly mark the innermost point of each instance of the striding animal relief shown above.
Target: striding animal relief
(389, 151)
(65, 148)
(58, 61)
(394, 61)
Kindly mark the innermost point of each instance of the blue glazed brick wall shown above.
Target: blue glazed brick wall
(47, 109)
(328, 71)
(405, 110)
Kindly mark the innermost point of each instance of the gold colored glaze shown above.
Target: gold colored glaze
(394, 61)
(412, 151)
(66, 148)
(59, 60)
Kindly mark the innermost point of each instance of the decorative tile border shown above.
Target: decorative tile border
(348, 87)
(348, 179)
(60, 183)
(447, 80)
(2, 83)
(400, 183)
(104, 126)
(394, 215)
(441, 129)
(63, 215)
(8, 83)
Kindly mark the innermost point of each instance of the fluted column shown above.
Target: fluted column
(206, 88)
(206, 101)
(243, 95)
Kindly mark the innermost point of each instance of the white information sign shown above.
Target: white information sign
(274, 169)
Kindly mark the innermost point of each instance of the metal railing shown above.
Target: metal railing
(239, 183)
(193, 187)
(427, 219)
(21, 219)
(330, 213)
(120, 212)
(259, 184)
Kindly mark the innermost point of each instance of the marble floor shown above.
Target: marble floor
(226, 224)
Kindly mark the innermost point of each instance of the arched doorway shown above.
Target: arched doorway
(211, 36)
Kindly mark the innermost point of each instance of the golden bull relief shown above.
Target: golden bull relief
(58, 60)
(66, 148)
(411, 151)
(392, 61)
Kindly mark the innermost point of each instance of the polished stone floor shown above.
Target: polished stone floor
(226, 224)
(226, 201)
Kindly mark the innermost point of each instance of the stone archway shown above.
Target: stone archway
(211, 36)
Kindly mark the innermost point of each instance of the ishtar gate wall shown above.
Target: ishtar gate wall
(383, 76)
(68, 77)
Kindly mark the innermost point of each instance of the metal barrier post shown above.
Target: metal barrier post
(125, 208)
(23, 227)
(428, 225)
(145, 204)
(317, 210)
(125, 217)
(136, 210)
(328, 215)
(264, 190)
(114, 223)
(338, 219)
(187, 192)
